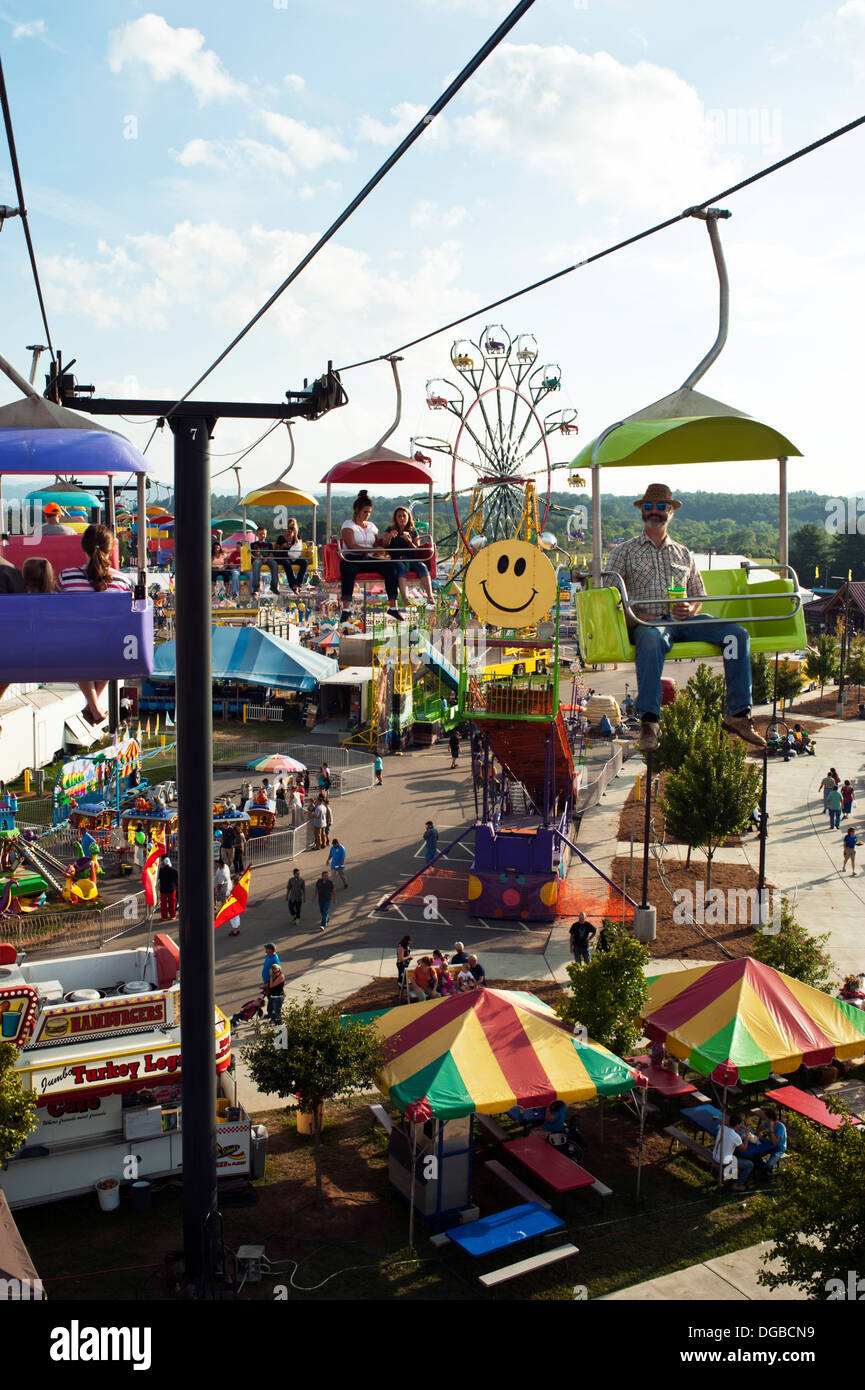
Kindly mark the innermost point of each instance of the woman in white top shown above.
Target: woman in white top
(97, 575)
(359, 538)
(288, 552)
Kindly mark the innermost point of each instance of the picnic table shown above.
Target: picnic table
(811, 1107)
(666, 1083)
(506, 1228)
(554, 1168)
(704, 1117)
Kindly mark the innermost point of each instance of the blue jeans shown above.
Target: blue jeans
(274, 1007)
(581, 955)
(294, 580)
(834, 819)
(325, 911)
(653, 644)
(257, 564)
(419, 568)
(745, 1167)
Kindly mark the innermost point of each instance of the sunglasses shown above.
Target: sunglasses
(652, 506)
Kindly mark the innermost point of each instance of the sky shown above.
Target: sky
(177, 162)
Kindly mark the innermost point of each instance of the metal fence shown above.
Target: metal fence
(590, 793)
(270, 713)
(76, 931)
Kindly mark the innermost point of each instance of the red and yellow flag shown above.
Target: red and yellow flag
(151, 869)
(235, 903)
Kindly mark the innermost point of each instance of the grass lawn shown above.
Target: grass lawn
(355, 1245)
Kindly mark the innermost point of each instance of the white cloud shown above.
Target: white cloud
(313, 190)
(426, 213)
(307, 146)
(28, 29)
(407, 115)
(241, 156)
(842, 32)
(602, 130)
(294, 82)
(168, 53)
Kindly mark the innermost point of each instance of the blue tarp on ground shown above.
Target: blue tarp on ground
(250, 656)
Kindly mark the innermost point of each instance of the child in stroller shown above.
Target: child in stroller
(253, 1008)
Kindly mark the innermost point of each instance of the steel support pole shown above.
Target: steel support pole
(596, 525)
(193, 682)
(783, 515)
(647, 830)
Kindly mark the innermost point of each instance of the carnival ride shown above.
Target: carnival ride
(285, 499)
(57, 637)
(688, 427)
(503, 442)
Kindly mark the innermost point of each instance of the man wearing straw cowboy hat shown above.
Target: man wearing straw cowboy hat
(656, 571)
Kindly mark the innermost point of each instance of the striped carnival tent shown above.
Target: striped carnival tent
(739, 1020)
(488, 1050)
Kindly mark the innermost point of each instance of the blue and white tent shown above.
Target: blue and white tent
(251, 656)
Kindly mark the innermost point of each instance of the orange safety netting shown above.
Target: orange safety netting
(593, 897)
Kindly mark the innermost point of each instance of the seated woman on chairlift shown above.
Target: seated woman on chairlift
(97, 575)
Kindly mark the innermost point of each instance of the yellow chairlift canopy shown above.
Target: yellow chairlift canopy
(279, 494)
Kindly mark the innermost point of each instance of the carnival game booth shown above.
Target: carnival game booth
(62, 637)
(100, 1046)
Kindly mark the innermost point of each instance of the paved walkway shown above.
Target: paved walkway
(728, 1279)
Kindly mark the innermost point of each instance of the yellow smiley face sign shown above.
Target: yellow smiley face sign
(510, 584)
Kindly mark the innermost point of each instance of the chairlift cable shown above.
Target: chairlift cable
(437, 107)
(22, 210)
(619, 245)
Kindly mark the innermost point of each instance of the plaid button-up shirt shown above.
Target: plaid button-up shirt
(650, 571)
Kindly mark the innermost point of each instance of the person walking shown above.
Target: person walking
(378, 767)
(319, 821)
(324, 893)
(167, 878)
(295, 895)
(829, 781)
(846, 799)
(454, 745)
(834, 802)
(234, 922)
(581, 934)
(850, 843)
(431, 840)
(336, 860)
(221, 884)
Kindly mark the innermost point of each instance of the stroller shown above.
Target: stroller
(253, 1008)
(572, 1142)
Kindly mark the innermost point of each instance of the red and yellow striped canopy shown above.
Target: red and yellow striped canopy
(741, 1020)
(488, 1050)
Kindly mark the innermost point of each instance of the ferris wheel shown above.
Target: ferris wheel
(504, 437)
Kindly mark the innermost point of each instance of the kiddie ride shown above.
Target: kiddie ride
(100, 1046)
(31, 878)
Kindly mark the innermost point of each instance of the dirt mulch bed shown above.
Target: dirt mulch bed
(825, 708)
(627, 820)
(681, 940)
(382, 993)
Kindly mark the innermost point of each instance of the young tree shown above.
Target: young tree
(708, 693)
(816, 1219)
(607, 996)
(788, 947)
(822, 663)
(314, 1055)
(17, 1105)
(711, 796)
(762, 679)
(678, 728)
(856, 664)
(789, 682)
